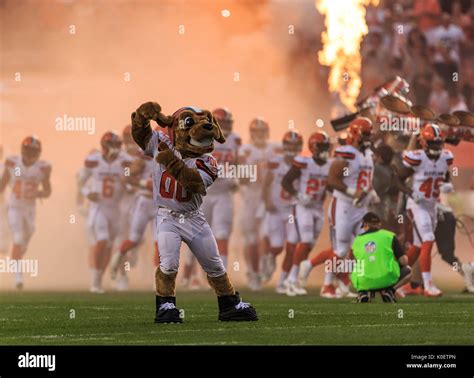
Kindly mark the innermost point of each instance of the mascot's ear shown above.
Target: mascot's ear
(220, 136)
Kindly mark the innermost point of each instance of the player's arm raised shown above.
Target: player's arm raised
(141, 129)
(189, 178)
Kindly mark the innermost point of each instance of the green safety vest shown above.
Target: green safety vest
(376, 267)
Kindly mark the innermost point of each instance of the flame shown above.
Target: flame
(345, 28)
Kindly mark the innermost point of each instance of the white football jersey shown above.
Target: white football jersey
(24, 181)
(259, 157)
(359, 172)
(428, 174)
(279, 196)
(313, 179)
(169, 193)
(106, 178)
(226, 154)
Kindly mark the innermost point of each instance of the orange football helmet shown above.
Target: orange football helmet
(319, 145)
(359, 132)
(30, 150)
(292, 143)
(259, 131)
(225, 120)
(431, 139)
(111, 144)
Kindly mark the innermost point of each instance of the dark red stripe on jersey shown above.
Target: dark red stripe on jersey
(449, 161)
(299, 165)
(345, 155)
(411, 161)
(273, 165)
(91, 163)
(200, 165)
(10, 163)
(238, 141)
(333, 211)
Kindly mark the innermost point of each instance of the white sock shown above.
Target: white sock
(19, 277)
(224, 261)
(293, 276)
(283, 276)
(96, 276)
(426, 279)
(328, 277)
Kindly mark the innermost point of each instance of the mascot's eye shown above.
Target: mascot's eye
(188, 121)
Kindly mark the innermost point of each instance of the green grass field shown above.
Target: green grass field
(42, 318)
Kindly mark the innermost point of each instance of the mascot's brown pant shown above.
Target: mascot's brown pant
(166, 284)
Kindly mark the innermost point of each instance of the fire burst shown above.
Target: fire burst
(345, 28)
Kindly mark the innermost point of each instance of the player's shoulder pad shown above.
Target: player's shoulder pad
(45, 166)
(12, 161)
(448, 156)
(207, 163)
(345, 152)
(412, 158)
(92, 160)
(300, 162)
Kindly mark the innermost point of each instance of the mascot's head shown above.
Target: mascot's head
(192, 130)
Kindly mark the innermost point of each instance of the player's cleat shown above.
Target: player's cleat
(388, 295)
(344, 290)
(363, 297)
(432, 291)
(281, 288)
(121, 283)
(293, 289)
(232, 309)
(96, 289)
(329, 291)
(409, 290)
(468, 272)
(254, 282)
(166, 311)
(399, 293)
(305, 270)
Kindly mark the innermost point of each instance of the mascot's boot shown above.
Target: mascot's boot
(166, 311)
(232, 309)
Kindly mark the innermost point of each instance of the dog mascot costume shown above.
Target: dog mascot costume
(184, 168)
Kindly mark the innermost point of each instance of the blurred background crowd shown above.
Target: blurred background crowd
(427, 42)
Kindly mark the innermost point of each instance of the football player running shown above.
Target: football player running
(4, 235)
(143, 213)
(350, 178)
(29, 179)
(429, 169)
(280, 209)
(312, 175)
(106, 169)
(256, 153)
